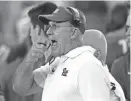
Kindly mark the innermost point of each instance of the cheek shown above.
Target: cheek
(63, 38)
(64, 41)
(60, 42)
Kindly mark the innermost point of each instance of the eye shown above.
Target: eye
(53, 26)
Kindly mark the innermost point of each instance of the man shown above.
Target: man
(44, 8)
(18, 52)
(73, 79)
(121, 67)
(116, 33)
(37, 31)
(11, 58)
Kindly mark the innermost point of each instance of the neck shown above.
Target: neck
(72, 46)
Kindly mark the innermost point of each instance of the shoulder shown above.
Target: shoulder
(92, 70)
(91, 63)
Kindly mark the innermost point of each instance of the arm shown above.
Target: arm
(33, 78)
(24, 83)
(91, 83)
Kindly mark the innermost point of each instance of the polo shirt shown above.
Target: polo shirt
(76, 78)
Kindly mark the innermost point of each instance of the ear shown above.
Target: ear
(74, 34)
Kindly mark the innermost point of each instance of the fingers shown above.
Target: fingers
(40, 46)
(37, 55)
(41, 43)
(38, 50)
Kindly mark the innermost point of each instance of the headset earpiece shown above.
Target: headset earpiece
(76, 16)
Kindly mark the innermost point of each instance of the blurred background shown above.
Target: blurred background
(107, 16)
(10, 12)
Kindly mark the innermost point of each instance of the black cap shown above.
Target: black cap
(43, 8)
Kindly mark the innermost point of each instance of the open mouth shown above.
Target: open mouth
(53, 42)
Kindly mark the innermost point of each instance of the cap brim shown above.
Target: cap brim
(46, 18)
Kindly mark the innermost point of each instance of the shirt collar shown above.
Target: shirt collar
(77, 51)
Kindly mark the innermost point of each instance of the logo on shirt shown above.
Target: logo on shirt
(113, 86)
(97, 54)
(65, 71)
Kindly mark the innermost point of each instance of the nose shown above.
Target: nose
(49, 32)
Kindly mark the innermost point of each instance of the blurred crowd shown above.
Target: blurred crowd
(110, 17)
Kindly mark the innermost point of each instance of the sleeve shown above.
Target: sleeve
(40, 75)
(91, 83)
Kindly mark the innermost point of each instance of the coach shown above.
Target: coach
(76, 75)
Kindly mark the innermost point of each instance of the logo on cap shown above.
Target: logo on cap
(56, 11)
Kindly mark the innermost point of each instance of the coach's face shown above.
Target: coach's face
(60, 36)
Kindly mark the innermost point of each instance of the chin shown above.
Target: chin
(55, 54)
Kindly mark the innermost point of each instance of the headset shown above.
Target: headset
(75, 16)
